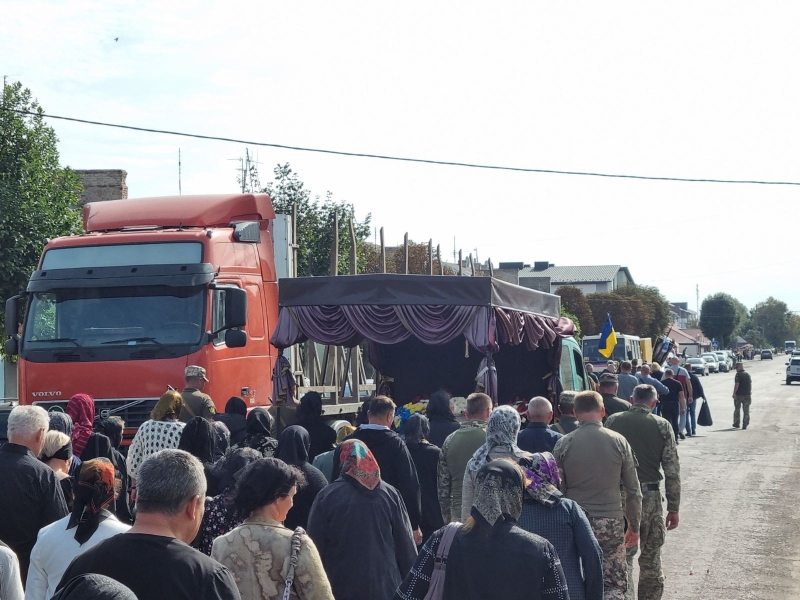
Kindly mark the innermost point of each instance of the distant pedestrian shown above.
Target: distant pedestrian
(656, 372)
(81, 409)
(235, 417)
(567, 423)
(673, 404)
(608, 391)
(309, 416)
(611, 367)
(626, 381)
(30, 496)
(258, 436)
(645, 378)
(442, 420)
(682, 376)
(195, 402)
(426, 459)
(199, 440)
(653, 442)
(537, 436)
(698, 393)
(742, 395)
(294, 449)
(594, 379)
(594, 461)
(324, 461)
(457, 451)
(360, 525)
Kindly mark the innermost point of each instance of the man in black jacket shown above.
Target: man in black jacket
(394, 460)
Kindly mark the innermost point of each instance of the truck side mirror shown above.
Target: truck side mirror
(235, 338)
(12, 315)
(235, 308)
(11, 347)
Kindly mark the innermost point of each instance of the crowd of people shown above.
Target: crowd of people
(224, 506)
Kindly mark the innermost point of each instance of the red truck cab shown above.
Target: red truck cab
(153, 285)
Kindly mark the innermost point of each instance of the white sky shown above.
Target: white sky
(682, 89)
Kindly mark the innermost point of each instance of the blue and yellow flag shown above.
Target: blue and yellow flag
(608, 338)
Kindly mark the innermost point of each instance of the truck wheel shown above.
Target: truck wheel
(788, 381)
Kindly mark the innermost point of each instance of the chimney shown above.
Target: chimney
(541, 265)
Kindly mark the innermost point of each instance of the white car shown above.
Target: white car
(793, 370)
(697, 365)
(713, 364)
(725, 363)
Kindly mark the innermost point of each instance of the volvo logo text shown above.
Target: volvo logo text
(47, 394)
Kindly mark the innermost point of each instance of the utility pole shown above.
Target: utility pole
(180, 193)
(697, 291)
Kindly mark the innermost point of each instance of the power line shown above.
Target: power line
(405, 158)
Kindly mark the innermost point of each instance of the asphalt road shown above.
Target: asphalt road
(739, 531)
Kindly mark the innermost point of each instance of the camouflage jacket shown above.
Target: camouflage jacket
(668, 459)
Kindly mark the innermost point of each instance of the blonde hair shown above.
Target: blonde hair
(53, 442)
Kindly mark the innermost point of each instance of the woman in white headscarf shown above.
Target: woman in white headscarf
(501, 442)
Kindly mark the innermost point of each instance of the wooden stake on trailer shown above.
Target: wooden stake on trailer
(491, 270)
(471, 264)
(295, 245)
(439, 257)
(335, 246)
(460, 264)
(382, 261)
(353, 250)
(405, 253)
(430, 257)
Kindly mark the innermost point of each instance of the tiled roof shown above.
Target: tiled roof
(590, 274)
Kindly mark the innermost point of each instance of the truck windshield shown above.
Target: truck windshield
(91, 317)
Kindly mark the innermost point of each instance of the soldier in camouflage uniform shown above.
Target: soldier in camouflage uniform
(593, 461)
(653, 442)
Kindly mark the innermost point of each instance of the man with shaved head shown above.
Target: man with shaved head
(537, 436)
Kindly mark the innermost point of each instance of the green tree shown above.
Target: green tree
(37, 194)
(574, 302)
(654, 319)
(315, 223)
(755, 337)
(625, 312)
(578, 331)
(718, 318)
(772, 317)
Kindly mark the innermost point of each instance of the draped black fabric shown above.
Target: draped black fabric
(293, 446)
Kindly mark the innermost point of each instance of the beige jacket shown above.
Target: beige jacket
(257, 553)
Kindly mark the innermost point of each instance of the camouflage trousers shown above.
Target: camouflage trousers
(743, 403)
(652, 532)
(610, 534)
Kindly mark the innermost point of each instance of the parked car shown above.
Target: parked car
(725, 362)
(711, 361)
(697, 365)
(793, 370)
(766, 355)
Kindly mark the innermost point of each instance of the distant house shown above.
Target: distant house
(547, 277)
(680, 314)
(689, 344)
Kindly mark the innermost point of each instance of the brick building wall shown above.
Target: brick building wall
(100, 185)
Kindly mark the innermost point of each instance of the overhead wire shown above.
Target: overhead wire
(428, 161)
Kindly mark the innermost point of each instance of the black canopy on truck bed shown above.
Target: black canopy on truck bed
(428, 332)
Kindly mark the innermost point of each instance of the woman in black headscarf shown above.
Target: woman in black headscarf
(235, 418)
(442, 420)
(490, 538)
(221, 515)
(293, 450)
(259, 433)
(309, 416)
(426, 460)
(94, 587)
(101, 446)
(199, 440)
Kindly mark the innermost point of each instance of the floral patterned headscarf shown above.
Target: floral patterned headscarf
(542, 478)
(356, 461)
(501, 432)
(499, 493)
